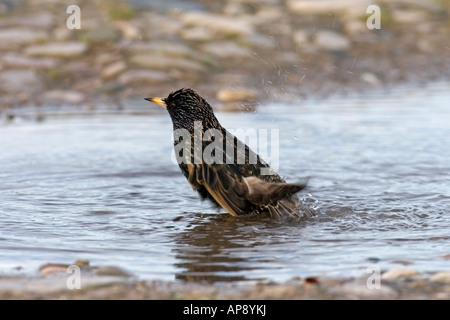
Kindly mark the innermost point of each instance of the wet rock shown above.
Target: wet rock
(57, 49)
(139, 76)
(226, 49)
(234, 95)
(53, 268)
(113, 69)
(227, 26)
(18, 80)
(111, 271)
(166, 63)
(14, 36)
(443, 277)
(333, 41)
(64, 96)
(14, 60)
(399, 273)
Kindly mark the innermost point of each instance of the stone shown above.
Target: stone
(113, 69)
(111, 271)
(101, 34)
(409, 16)
(57, 49)
(234, 95)
(354, 8)
(159, 62)
(355, 27)
(370, 79)
(359, 290)
(20, 36)
(53, 268)
(196, 34)
(330, 40)
(138, 76)
(14, 60)
(300, 37)
(34, 20)
(18, 81)
(128, 30)
(163, 48)
(64, 96)
(397, 273)
(225, 49)
(442, 276)
(228, 26)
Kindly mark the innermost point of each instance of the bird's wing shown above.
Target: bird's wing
(235, 193)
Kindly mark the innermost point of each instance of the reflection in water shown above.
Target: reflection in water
(220, 247)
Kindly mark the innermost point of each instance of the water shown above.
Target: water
(103, 187)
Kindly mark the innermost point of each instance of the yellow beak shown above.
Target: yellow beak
(157, 101)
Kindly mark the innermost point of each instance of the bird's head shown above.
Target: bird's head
(185, 107)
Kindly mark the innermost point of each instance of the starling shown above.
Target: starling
(221, 167)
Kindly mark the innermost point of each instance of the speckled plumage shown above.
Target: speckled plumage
(239, 188)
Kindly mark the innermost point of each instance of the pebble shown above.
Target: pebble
(234, 95)
(128, 30)
(159, 62)
(101, 34)
(300, 37)
(330, 40)
(111, 271)
(370, 79)
(113, 69)
(397, 273)
(34, 20)
(19, 80)
(353, 7)
(196, 34)
(13, 60)
(53, 268)
(225, 49)
(408, 16)
(228, 26)
(139, 76)
(173, 49)
(57, 49)
(442, 276)
(20, 36)
(64, 96)
(359, 290)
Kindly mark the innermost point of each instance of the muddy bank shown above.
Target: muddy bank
(234, 52)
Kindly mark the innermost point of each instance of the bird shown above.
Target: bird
(222, 168)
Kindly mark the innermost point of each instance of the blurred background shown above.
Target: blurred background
(235, 52)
